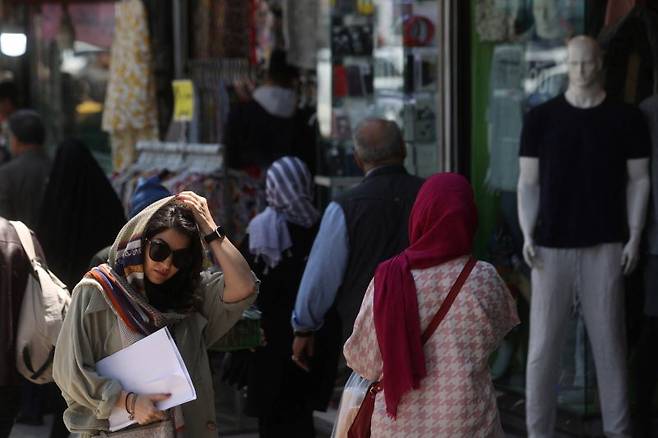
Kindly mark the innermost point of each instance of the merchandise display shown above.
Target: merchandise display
(233, 197)
(405, 77)
(380, 61)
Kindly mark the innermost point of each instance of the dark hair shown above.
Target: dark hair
(8, 90)
(279, 71)
(179, 292)
(27, 126)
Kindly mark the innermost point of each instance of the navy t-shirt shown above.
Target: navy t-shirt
(582, 169)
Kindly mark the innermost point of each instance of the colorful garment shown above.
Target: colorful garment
(130, 112)
(457, 398)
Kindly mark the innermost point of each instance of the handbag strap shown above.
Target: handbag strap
(25, 237)
(447, 303)
(377, 386)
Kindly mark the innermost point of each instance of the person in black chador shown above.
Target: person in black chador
(80, 214)
(278, 244)
(266, 127)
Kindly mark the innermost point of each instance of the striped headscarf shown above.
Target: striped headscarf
(288, 191)
(122, 279)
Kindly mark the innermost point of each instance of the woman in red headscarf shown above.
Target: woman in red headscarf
(440, 388)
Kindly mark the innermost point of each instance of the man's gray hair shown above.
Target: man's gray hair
(378, 141)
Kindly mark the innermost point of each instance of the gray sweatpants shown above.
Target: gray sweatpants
(592, 275)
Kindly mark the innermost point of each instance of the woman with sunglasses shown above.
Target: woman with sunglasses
(153, 279)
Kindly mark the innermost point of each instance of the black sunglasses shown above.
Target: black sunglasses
(159, 251)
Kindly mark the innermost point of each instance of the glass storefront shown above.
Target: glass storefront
(518, 61)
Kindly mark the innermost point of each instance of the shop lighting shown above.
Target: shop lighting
(13, 44)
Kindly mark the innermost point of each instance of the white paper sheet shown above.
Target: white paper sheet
(149, 366)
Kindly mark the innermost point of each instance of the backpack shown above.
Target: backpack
(44, 306)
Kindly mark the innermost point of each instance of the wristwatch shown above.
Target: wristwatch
(214, 235)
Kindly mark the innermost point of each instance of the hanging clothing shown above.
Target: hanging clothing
(162, 47)
(505, 116)
(494, 20)
(288, 191)
(617, 9)
(231, 29)
(631, 52)
(80, 214)
(130, 112)
(300, 19)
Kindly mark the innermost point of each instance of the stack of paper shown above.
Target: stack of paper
(152, 365)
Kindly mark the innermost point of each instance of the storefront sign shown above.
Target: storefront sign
(183, 100)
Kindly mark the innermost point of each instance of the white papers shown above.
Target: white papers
(151, 365)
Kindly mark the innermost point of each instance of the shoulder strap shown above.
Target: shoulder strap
(377, 386)
(447, 303)
(25, 235)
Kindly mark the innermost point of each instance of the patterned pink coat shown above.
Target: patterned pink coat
(456, 398)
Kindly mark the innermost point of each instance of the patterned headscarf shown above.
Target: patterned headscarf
(122, 279)
(288, 193)
(442, 226)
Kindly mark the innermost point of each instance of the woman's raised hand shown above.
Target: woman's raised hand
(199, 206)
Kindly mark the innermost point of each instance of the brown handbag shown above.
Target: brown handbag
(360, 428)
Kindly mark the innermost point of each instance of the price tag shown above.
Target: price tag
(183, 100)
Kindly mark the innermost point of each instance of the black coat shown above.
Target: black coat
(80, 214)
(254, 137)
(274, 381)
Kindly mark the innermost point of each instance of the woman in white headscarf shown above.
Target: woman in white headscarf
(278, 244)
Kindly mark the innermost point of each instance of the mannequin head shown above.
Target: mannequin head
(547, 19)
(584, 62)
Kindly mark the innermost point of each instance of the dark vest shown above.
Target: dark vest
(376, 215)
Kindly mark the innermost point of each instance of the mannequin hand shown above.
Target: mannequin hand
(145, 410)
(529, 253)
(199, 206)
(302, 351)
(630, 256)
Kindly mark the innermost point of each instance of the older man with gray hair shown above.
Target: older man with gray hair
(362, 227)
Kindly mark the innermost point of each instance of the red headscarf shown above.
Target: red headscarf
(442, 225)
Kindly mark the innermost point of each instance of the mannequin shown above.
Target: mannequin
(547, 19)
(583, 162)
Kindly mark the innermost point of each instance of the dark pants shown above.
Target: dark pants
(287, 422)
(10, 397)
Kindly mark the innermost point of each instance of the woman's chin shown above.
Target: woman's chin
(156, 278)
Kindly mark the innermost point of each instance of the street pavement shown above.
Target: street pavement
(23, 431)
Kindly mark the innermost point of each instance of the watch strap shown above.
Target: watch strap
(217, 233)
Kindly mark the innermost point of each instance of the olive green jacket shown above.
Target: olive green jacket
(90, 332)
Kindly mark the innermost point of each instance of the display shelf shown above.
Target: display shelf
(391, 74)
